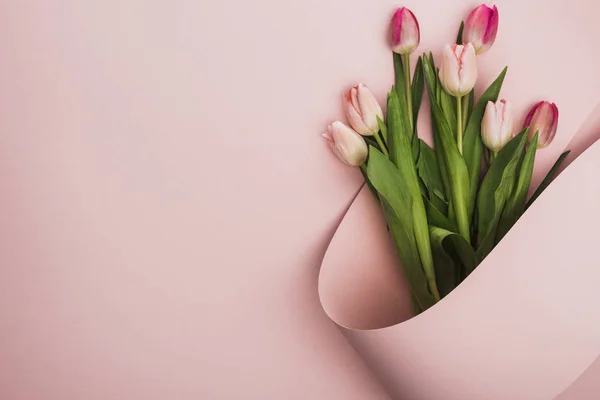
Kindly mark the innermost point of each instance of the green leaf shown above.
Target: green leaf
(495, 191)
(431, 60)
(409, 256)
(429, 172)
(399, 131)
(383, 130)
(548, 179)
(471, 104)
(371, 142)
(386, 179)
(448, 105)
(515, 206)
(432, 83)
(402, 156)
(418, 86)
(363, 170)
(457, 173)
(472, 145)
(404, 198)
(454, 258)
(399, 84)
(416, 149)
(459, 39)
(435, 217)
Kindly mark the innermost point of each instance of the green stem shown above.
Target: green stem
(462, 221)
(459, 124)
(408, 90)
(381, 144)
(465, 109)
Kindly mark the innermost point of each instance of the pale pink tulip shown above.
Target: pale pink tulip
(362, 110)
(348, 145)
(497, 126)
(458, 72)
(481, 28)
(405, 31)
(543, 118)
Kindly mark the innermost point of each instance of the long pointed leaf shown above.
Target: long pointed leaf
(454, 256)
(472, 145)
(548, 179)
(399, 211)
(406, 246)
(399, 84)
(458, 175)
(418, 86)
(515, 207)
(459, 39)
(495, 191)
(401, 155)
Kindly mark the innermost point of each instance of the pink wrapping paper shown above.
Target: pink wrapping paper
(166, 200)
(525, 324)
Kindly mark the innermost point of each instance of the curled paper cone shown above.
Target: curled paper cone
(524, 325)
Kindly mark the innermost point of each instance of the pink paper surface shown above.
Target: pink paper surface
(524, 325)
(166, 200)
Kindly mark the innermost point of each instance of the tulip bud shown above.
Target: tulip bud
(497, 126)
(481, 28)
(348, 145)
(405, 31)
(543, 118)
(458, 72)
(362, 110)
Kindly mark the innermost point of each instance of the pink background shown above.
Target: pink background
(166, 200)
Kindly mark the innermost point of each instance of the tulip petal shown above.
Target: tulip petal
(348, 145)
(405, 31)
(491, 31)
(468, 69)
(370, 108)
(449, 72)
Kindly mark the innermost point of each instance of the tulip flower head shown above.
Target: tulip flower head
(543, 118)
(405, 31)
(497, 126)
(481, 28)
(458, 72)
(346, 144)
(362, 110)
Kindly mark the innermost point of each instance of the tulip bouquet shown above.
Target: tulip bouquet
(446, 206)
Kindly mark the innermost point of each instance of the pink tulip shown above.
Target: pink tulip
(405, 31)
(497, 126)
(348, 145)
(362, 110)
(481, 28)
(458, 72)
(543, 118)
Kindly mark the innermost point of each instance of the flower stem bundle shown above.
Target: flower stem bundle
(449, 204)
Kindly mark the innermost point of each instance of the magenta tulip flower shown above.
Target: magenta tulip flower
(543, 118)
(481, 28)
(405, 31)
